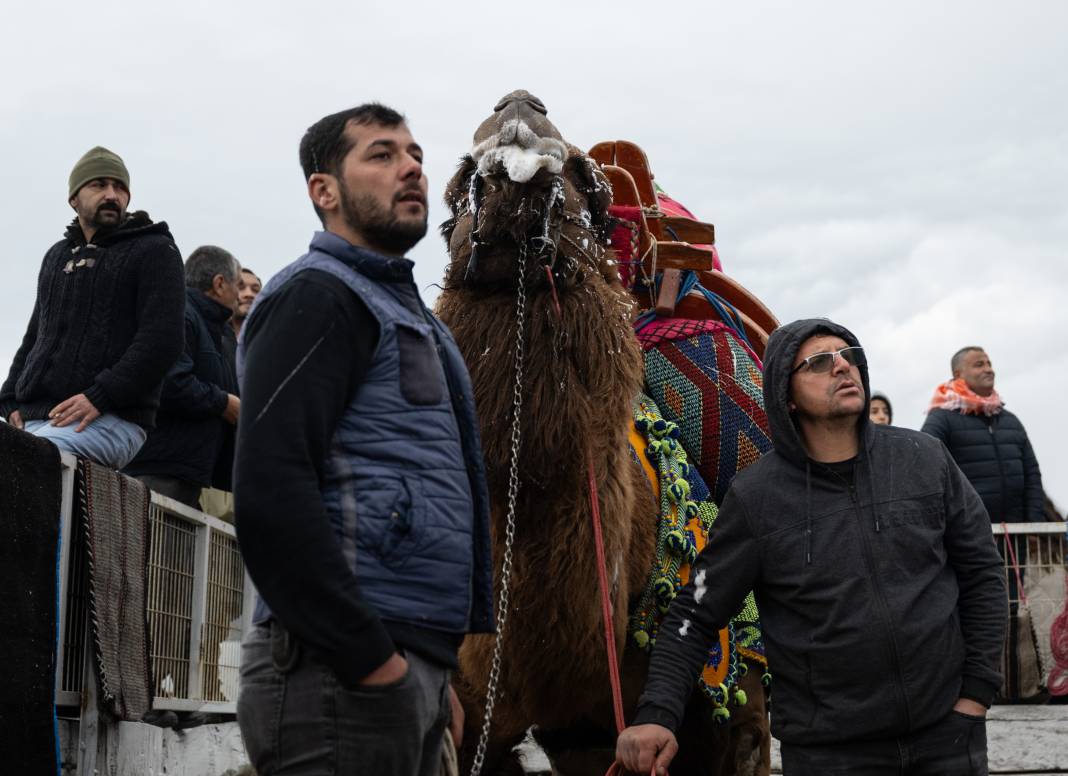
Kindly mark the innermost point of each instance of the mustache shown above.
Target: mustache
(410, 190)
(109, 206)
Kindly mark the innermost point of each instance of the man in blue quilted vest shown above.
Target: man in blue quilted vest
(360, 493)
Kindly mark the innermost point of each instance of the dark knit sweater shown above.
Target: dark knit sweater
(190, 432)
(110, 328)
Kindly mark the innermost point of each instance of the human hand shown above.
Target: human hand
(456, 718)
(969, 707)
(233, 409)
(393, 670)
(15, 419)
(646, 749)
(75, 408)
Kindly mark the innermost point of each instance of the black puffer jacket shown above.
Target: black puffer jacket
(996, 457)
(190, 432)
(109, 328)
(882, 599)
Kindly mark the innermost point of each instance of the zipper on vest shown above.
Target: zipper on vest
(1001, 467)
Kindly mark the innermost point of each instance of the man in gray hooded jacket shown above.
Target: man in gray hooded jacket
(879, 586)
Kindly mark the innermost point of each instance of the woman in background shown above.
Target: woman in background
(879, 411)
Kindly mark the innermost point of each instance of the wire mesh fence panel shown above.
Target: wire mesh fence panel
(220, 643)
(1040, 555)
(170, 601)
(77, 607)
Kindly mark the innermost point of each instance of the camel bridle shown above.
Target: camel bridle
(547, 249)
(509, 530)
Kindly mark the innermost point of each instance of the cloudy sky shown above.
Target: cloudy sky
(901, 167)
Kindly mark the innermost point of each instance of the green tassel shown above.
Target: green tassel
(740, 698)
(664, 589)
(677, 542)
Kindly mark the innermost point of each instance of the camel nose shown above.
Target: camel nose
(509, 133)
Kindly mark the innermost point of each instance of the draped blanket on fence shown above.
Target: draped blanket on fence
(115, 510)
(30, 503)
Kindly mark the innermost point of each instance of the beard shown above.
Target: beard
(380, 227)
(108, 214)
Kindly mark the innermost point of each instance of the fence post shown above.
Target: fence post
(200, 592)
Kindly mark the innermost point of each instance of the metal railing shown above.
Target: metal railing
(1040, 550)
(199, 606)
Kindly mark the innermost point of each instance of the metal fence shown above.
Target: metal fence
(200, 600)
(1040, 554)
(199, 605)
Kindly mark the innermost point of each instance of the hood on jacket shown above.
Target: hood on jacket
(779, 356)
(136, 224)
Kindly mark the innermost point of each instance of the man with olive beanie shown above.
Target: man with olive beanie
(106, 324)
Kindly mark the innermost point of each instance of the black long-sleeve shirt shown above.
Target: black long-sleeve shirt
(306, 352)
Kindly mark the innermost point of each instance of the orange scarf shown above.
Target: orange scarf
(957, 396)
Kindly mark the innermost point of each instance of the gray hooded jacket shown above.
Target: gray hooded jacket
(881, 594)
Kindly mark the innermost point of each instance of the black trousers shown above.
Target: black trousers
(182, 491)
(953, 746)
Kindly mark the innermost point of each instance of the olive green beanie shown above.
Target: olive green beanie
(97, 162)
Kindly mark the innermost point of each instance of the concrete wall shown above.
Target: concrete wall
(136, 749)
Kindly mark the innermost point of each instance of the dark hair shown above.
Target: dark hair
(877, 396)
(205, 263)
(954, 363)
(325, 143)
(252, 272)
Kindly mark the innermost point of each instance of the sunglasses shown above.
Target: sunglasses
(824, 362)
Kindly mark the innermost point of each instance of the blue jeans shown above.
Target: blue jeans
(108, 440)
(953, 746)
(296, 718)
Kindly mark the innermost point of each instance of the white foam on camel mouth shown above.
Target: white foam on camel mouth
(522, 155)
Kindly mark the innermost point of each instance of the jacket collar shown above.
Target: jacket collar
(368, 263)
(212, 311)
(135, 224)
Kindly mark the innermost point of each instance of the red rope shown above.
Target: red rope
(606, 603)
(552, 286)
(1009, 541)
(616, 769)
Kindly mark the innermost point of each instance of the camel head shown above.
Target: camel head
(522, 188)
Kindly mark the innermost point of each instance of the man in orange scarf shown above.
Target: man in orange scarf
(987, 441)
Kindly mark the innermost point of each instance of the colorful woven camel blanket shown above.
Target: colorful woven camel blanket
(707, 381)
(686, 515)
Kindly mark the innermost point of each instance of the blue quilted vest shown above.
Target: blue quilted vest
(405, 484)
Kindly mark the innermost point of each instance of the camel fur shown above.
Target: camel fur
(582, 369)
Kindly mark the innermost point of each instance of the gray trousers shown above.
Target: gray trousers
(296, 718)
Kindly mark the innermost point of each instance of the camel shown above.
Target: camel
(529, 222)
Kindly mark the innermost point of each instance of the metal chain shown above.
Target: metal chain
(509, 529)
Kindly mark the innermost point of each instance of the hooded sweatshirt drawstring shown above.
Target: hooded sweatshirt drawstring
(808, 513)
(874, 501)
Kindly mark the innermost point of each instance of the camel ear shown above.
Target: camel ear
(589, 178)
(456, 195)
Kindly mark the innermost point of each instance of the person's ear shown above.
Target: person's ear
(323, 191)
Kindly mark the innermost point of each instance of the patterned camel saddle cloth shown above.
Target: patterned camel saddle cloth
(686, 513)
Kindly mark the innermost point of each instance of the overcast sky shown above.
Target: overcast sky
(900, 167)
